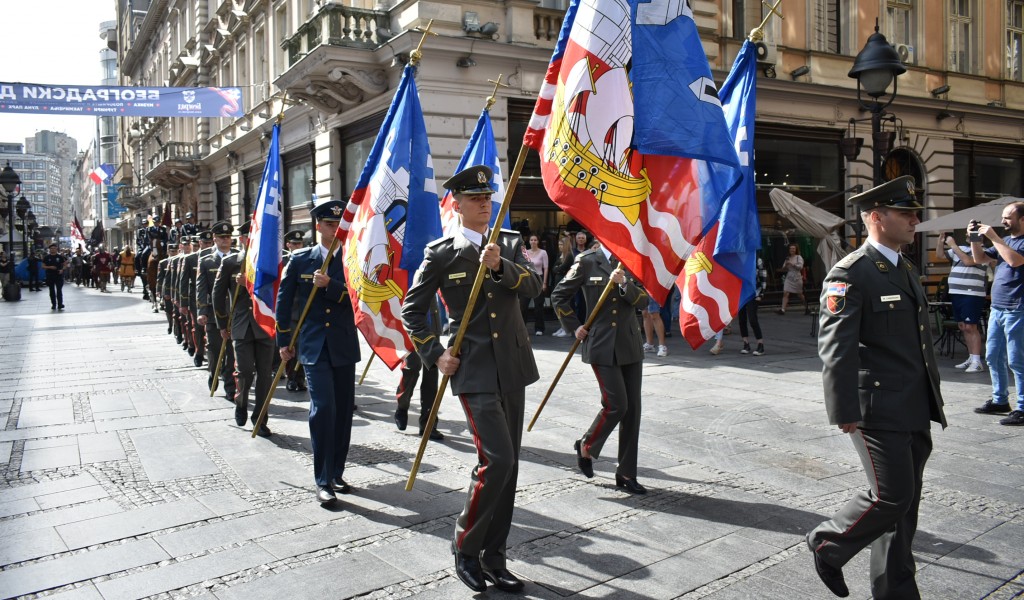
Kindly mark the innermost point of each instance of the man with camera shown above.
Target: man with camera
(967, 295)
(1005, 345)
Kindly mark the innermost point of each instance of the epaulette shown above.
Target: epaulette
(847, 261)
(440, 241)
(589, 252)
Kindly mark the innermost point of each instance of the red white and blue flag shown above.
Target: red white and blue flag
(266, 239)
(633, 155)
(390, 218)
(481, 150)
(719, 277)
(102, 174)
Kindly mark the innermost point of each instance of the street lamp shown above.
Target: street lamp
(10, 182)
(28, 223)
(876, 67)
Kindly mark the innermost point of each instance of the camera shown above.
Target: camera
(972, 231)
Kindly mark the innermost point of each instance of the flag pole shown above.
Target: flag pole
(367, 369)
(224, 343)
(575, 344)
(467, 314)
(291, 345)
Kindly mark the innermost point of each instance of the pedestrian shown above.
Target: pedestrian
(77, 260)
(102, 264)
(53, 266)
(209, 265)
(327, 347)
(1004, 350)
(579, 304)
(33, 271)
(881, 385)
(539, 257)
(653, 326)
(966, 285)
(749, 311)
(115, 267)
(126, 268)
(5, 268)
(562, 265)
(612, 346)
(490, 374)
(793, 280)
(412, 366)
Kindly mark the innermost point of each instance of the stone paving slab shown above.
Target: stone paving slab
(31, 544)
(45, 575)
(85, 592)
(171, 452)
(231, 531)
(184, 573)
(48, 487)
(62, 517)
(260, 472)
(127, 524)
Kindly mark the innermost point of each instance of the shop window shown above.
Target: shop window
(356, 142)
(984, 172)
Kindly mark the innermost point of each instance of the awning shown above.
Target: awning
(989, 213)
(816, 222)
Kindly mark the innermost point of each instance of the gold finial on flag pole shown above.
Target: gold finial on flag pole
(284, 102)
(757, 33)
(494, 95)
(417, 54)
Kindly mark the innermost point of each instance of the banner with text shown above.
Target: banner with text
(120, 101)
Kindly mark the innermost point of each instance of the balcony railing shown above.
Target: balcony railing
(186, 151)
(547, 23)
(336, 25)
(132, 196)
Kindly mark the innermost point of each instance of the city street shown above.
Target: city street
(123, 478)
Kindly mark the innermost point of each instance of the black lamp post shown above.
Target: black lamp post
(876, 67)
(23, 207)
(10, 182)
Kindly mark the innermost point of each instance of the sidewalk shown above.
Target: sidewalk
(123, 478)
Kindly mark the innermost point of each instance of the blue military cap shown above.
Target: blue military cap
(222, 228)
(471, 181)
(899, 194)
(204, 236)
(243, 229)
(295, 236)
(328, 210)
(172, 247)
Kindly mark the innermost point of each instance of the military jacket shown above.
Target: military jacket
(208, 266)
(242, 318)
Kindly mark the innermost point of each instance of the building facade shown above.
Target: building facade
(329, 71)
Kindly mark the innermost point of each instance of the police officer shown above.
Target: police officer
(411, 367)
(613, 347)
(53, 265)
(498, 365)
(293, 370)
(327, 347)
(882, 388)
(163, 288)
(254, 349)
(208, 266)
(189, 228)
(189, 271)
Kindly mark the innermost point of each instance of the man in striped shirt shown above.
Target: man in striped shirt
(967, 294)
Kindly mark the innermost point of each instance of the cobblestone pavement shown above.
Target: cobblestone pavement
(123, 478)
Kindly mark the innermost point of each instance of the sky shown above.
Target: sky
(69, 54)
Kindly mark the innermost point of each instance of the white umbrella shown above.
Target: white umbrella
(817, 222)
(989, 213)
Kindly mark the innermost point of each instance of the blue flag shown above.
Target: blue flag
(481, 150)
(266, 235)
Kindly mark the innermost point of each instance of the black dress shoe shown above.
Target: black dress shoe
(435, 435)
(290, 386)
(829, 575)
(503, 579)
(198, 360)
(470, 572)
(60, 307)
(191, 351)
(402, 418)
(325, 495)
(300, 386)
(586, 465)
(264, 431)
(240, 414)
(630, 485)
(338, 484)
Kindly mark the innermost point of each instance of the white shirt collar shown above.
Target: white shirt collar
(892, 255)
(474, 236)
(323, 250)
(607, 253)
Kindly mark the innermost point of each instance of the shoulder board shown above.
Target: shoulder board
(439, 241)
(588, 252)
(847, 261)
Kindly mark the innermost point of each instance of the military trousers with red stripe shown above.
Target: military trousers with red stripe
(621, 407)
(496, 422)
(884, 516)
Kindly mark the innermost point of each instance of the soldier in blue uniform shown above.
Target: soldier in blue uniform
(53, 264)
(328, 348)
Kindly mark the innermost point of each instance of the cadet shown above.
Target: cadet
(296, 375)
(614, 348)
(881, 387)
(328, 348)
(184, 249)
(208, 266)
(254, 350)
(411, 367)
(498, 361)
(188, 284)
(162, 286)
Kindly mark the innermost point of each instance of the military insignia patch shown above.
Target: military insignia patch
(336, 210)
(481, 177)
(835, 304)
(836, 288)
(882, 266)
(572, 270)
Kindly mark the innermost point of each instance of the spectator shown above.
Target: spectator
(579, 305)
(5, 268)
(749, 311)
(539, 257)
(562, 265)
(654, 326)
(967, 294)
(793, 283)
(1005, 345)
(33, 271)
(126, 270)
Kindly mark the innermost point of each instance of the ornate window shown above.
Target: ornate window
(1014, 39)
(962, 32)
(826, 27)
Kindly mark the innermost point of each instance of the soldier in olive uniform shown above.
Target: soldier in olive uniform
(189, 272)
(174, 274)
(208, 267)
(882, 388)
(499, 364)
(613, 347)
(411, 367)
(162, 286)
(253, 347)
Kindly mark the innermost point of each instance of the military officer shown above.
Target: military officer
(208, 266)
(190, 228)
(882, 388)
(163, 290)
(497, 365)
(293, 370)
(185, 337)
(253, 347)
(327, 347)
(411, 367)
(613, 347)
(187, 284)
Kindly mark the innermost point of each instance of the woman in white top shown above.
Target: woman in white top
(539, 257)
(794, 280)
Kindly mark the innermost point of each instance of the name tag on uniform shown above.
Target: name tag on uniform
(457, 276)
(597, 278)
(306, 276)
(893, 298)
